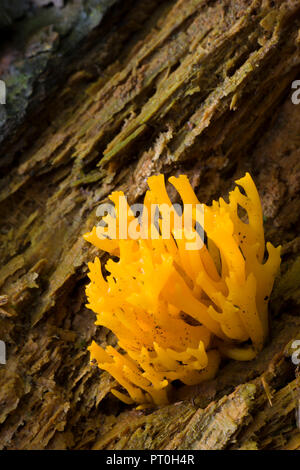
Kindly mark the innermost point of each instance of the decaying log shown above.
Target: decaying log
(189, 86)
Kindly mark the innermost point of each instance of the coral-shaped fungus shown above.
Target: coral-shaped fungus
(177, 311)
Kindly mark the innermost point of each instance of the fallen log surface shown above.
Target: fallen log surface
(195, 87)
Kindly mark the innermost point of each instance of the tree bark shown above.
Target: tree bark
(199, 87)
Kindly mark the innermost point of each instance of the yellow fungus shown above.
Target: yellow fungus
(176, 311)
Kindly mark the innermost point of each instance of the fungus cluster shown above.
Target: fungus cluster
(177, 311)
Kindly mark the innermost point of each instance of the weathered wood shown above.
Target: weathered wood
(196, 87)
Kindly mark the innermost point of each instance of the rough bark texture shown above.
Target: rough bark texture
(189, 86)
